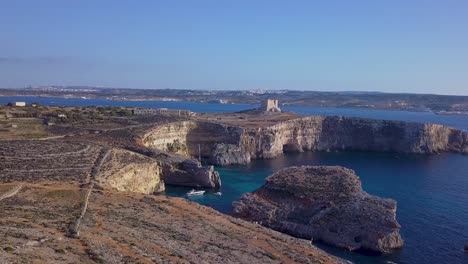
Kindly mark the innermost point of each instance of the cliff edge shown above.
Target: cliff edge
(240, 141)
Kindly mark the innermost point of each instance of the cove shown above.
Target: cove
(431, 191)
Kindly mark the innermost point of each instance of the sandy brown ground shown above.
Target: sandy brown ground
(248, 118)
(134, 228)
(24, 128)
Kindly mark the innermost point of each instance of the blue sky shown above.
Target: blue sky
(393, 46)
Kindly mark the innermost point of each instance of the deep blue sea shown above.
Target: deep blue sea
(431, 190)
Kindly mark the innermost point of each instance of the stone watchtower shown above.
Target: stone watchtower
(270, 105)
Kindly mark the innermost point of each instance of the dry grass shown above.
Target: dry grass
(133, 228)
(27, 128)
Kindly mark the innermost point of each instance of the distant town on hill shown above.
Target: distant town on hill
(441, 104)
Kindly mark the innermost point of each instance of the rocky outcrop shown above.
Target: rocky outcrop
(191, 173)
(127, 171)
(323, 203)
(225, 154)
(79, 163)
(191, 138)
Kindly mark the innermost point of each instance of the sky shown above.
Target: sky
(418, 46)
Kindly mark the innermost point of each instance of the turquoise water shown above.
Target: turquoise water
(432, 191)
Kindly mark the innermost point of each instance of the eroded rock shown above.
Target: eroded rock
(323, 203)
(128, 171)
(191, 173)
(224, 144)
(225, 154)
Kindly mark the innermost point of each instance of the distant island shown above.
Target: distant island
(439, 104)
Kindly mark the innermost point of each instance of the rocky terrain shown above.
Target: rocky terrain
(191, 173)
(326, 204)
(237, 142)
(89, 176)
(123, 227)
(78, 163)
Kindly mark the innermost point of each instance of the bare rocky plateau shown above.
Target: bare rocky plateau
(123, 227)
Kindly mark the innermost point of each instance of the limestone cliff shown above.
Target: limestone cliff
(79, 163)
(127, 171)
(224, 144)
(191, 138)
(190, 173)
(323, 203)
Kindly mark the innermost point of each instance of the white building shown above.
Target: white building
(17, 104)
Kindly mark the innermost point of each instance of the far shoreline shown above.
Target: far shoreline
(165, 99)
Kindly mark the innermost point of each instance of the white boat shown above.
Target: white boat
(193, 192)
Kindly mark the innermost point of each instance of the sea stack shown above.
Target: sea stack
(323, 203)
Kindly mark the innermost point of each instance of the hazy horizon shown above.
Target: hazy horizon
(333, 46)
(230, 90)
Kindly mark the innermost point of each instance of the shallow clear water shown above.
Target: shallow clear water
(432, 191)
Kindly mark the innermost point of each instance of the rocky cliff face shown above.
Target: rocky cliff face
(131, 172)
(323, 203)
(223, 144)
(345, 133)
(191, 138)
(225, 154)
(191, 173)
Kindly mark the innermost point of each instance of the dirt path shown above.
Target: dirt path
(11, 192)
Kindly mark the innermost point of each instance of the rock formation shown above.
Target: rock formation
(127, 171)
(323, 203)
(191, 173)
(229, 144)
(190, 138)
(225, 154)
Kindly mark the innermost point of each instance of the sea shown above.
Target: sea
(431, 190)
